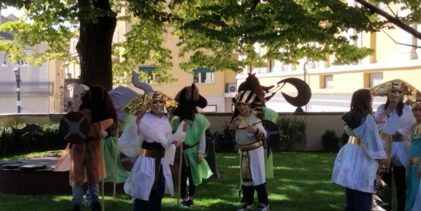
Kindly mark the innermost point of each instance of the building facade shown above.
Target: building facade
(396, 55)
(25, 88)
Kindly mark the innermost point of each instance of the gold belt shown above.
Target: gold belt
(152, 153)
(397, 138)
(415, 160)
(249, 147)
(354, 140)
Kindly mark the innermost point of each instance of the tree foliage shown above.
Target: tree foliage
(209, 32)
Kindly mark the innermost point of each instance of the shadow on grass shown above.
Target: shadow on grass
(302, 182)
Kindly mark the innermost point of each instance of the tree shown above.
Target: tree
(209, 31)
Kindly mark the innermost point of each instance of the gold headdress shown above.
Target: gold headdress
(408, 90)
(144, 103)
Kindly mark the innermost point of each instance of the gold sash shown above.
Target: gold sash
(252, 146)
(354, 140)
(387, 148)
(152, 153)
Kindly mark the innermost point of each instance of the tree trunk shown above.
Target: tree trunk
(95, 42)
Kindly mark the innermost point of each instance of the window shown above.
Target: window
(326, 81)
(372, 79)
(149, 71)
(203, 76)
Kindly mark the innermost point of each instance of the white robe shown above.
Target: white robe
(256, 156)
(141, 179)
(399, 153)
(356, 165)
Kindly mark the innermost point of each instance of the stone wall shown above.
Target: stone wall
(316, 123)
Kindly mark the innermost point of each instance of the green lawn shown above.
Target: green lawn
(302, 183)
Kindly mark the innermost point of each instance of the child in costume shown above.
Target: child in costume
(151, 172)
(86, 158)
(194, 166)
(249, 135)
(395, 120)
(357, 162)
(413, 199)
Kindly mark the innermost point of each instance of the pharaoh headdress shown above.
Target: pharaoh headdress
(411, 93)
(251, 87)
(144, 103)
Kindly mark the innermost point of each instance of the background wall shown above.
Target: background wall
(316, 123)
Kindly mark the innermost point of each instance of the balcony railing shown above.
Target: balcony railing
(32, 88)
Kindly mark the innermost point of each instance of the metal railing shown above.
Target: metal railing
(32, 88)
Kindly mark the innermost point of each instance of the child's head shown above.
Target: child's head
(416, 110)
(243, 101)
(361, 101)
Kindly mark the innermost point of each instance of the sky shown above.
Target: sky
(8, 10)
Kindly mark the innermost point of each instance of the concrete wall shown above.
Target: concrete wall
(316, 123)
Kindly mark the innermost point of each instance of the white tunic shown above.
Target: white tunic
(399, 153)
(256, 156)
(141, 179)
(356, 165)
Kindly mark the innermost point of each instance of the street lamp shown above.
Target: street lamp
(17, 75)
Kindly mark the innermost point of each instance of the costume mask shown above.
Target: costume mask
(158, 103)
(76, 92)
(396, 94)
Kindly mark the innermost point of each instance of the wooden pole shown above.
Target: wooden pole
(179, 174)
(116, 153)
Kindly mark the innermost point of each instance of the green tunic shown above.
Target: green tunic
(272, 116)
(194, 134)
(109, 148)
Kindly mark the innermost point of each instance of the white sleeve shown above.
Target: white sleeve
(372, 144)
(202, 145)
(407, 120)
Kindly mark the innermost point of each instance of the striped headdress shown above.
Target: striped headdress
(246, 96)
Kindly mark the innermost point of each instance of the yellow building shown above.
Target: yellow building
(390, 60)
(394, 57)
(218, 87)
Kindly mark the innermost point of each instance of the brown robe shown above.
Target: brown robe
(86, 161)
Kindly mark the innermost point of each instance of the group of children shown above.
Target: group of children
(381, 146)
(157, 126)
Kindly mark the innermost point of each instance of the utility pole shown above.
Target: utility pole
(18, 80)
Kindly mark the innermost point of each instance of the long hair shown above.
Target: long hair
(100, 104)
(360, 107)
(398, 109)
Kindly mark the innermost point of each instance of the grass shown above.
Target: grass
(302, 182)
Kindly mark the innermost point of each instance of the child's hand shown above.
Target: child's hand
(177, 143)
(252, 129)
(199, 159)
(233, 125)
(102, 134)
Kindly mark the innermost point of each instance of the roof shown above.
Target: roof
(3, 19)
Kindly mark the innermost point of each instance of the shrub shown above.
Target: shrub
(292, 133)
(330, 141)
(224, 141)
(19, 138)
